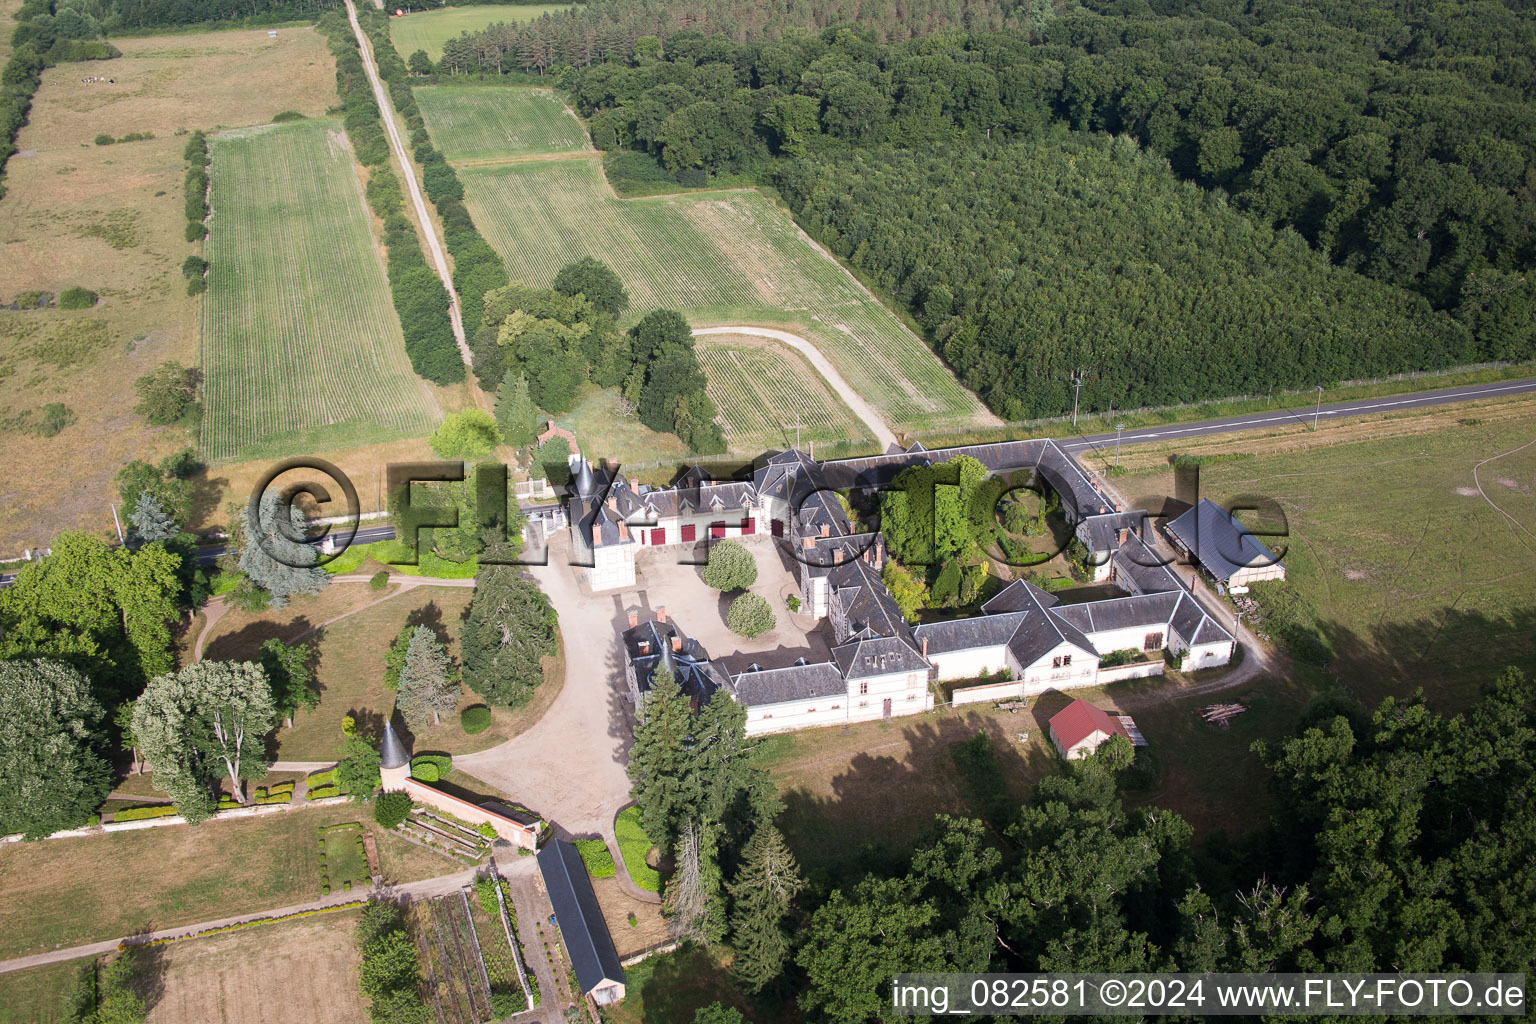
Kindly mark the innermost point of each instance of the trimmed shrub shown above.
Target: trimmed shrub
(77, 298)
(392, 809)
(595, 855)
(731, 567)
(750, 615)
(426, 772)
(633, 847)
(475, 719)
(139, 813)
(378, 581)
(442, 762)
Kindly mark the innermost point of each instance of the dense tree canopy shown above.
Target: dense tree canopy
(53, 772)
(509, 630)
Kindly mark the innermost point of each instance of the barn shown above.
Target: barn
(1226, 551)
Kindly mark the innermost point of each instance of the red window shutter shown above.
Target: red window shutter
(717, 530)
(688, 533)
(748, 527)
(776, 527)
(659, 536)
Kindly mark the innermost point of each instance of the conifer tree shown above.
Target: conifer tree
(658, 761)
(516, 414)
(427, 690)
(148, 522)
(762, 898)
(275, 557)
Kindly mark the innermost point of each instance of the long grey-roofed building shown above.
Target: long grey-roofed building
(582, 928)
(1213, 537)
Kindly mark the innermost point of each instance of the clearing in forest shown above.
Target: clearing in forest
(727, 257)
(301, 348)
(769, 396)
(429, 30)
(471, 123)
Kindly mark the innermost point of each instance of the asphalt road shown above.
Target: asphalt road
(1230, 424)
(1334, 410)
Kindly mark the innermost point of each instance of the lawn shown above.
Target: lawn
(301, 347)
(720, 258)
(65, 892)
(770, 397)
(35, 996)
(344, 861)
(609, 429)
(470, 123)
(1410, 537)
(350, 671)
(429, 30)
(672, 987)
(109, 218)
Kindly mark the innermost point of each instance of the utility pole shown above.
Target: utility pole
(1077, 382)
(1319, 408)
(118, 524)
(1118, 427)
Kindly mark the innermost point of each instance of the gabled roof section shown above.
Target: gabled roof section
(877, 656)
(650, 645)
(1218, 541)
(580, 918)
(794, 682)
(1080, 720)
(865, 602)
(968, 634)
(1141, 570)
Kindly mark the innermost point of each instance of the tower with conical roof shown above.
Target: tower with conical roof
(586, 483)
(394, 762)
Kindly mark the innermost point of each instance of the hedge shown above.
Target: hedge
(254, 922)
(139, 813)
(475, 719)
(595, 855)
(633, 847)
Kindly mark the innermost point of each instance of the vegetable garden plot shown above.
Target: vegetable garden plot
(301, 349)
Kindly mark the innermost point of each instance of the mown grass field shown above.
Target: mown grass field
(1411, 537)
(109, 218)
(719, 258)
(301, 348)
(495, 122)
(429, 30)
(769, 395)
(67, 892)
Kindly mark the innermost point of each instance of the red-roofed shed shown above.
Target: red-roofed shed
(1079, 728)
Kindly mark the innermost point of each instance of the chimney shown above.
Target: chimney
(806, 542)
(826, 529)
(677, 642)
(623, 530)
(837, 556)
(925, 647)
(634, 618)
(1124, 532)
(661, 613)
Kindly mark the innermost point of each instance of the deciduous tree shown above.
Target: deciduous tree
(731, 567)
(53, 774)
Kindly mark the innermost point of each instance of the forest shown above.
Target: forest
(1400, 840)
(1394, 140)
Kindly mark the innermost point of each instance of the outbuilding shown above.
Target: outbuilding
(582, 927)
(1079, 729)
(1215, 539)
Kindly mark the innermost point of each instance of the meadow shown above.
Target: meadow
(470, 123)
(429, 30)
(1410, 538)
(769, 396)
(719, 258)
(109, 218)
(301, 348)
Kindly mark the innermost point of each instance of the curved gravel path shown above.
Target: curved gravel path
(840, 387)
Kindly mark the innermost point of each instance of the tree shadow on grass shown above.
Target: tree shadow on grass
(431, 616)
(882, 806)
(244, 644)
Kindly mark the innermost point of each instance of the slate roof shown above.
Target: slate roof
(1192, 623)
(1129, 612)
(794, 682)
(1218, 541)
(1137, 568)
(1102, 532)
(392, 752)
(1079, 720)
(696, 675)
(865, 603)
(867, 655)
(1042, 631)
(967, 634)
(579, 916)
